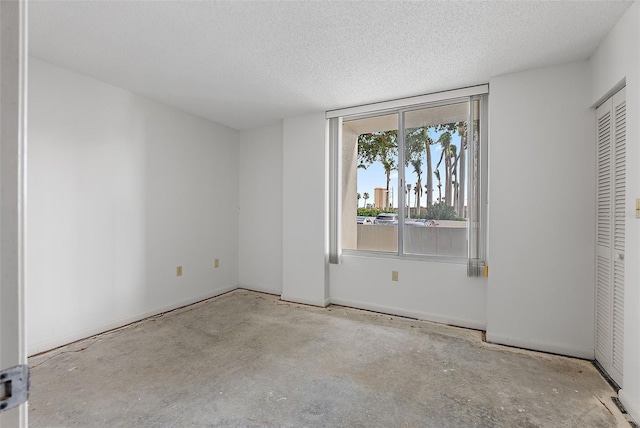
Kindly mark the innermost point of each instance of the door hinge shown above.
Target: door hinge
(15, 383)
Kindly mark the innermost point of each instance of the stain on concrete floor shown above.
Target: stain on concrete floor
(247, 359)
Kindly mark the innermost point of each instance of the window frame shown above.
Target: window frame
(335, 120)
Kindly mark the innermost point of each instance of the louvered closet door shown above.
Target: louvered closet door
(611, 176)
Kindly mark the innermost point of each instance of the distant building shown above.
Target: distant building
(380, 198)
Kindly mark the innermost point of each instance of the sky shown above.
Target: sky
(374, 176)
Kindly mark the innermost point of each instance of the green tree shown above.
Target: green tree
(418, 140)
(458, 164)
(451, 157)
(379, 146)
(365, 197)
(414, 148)
(445, 155)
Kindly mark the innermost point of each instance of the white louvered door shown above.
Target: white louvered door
(610, 201)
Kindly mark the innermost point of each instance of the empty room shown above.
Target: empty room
(321, 214)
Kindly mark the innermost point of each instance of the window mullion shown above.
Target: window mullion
(335, 189)
(471, 186)
(482, 177)
(400, 185)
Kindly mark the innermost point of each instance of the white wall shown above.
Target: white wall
(304, 238)
(260, 235)
(618, 58)
(541, 200)
(121, 190)
(438, 292)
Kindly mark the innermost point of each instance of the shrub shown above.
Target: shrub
(372, 212)
(368, 212)
(442, 211)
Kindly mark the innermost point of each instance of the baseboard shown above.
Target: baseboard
(320, 303)
(38, 348)
(550, 348)
(458, 322)
(261, 289)
(630, 406)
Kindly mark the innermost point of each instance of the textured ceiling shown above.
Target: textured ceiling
(250, 64)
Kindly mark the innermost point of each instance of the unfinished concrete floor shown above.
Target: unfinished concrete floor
(247, 359)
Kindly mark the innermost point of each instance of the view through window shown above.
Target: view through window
(409, 178)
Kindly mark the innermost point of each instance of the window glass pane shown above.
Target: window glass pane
(436, 191)
(369, 180)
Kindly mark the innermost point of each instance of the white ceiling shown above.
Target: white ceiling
(249, 64)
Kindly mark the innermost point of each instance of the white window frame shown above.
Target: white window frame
(476, 259)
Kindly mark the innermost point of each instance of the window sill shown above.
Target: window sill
(412, 257)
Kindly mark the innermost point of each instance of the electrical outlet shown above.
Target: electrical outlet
(179, 271)
(217, 263)
(394, 275)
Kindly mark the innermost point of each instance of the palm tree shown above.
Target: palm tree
(449, 155)
(414, 150)
(365, 197)
(437, 174)
(359, 196)
(444, 140)
(449, 170)
(461, 176)
(417, 168)
(429, 186)
(458, 165)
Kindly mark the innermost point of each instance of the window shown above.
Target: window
(369, 178)
(410, 180)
